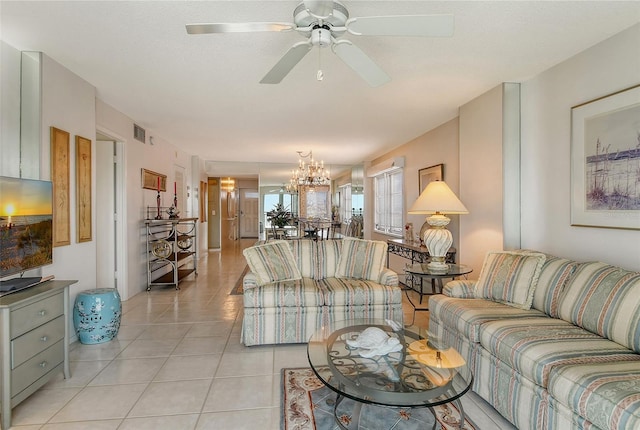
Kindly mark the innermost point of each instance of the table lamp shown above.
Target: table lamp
(437, 199)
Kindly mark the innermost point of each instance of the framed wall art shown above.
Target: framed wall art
(605, 161)
(429, 174)
(83, 188)
(153, 181)
(60, 177)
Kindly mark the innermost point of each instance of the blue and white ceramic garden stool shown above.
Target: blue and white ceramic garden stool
(96, 315)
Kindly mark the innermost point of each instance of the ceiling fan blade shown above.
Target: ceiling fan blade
(409, 25)
(360, 62)
(240, 27)
(319, 8)
(286, 63)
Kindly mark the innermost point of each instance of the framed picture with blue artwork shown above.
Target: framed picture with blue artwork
(605, 161)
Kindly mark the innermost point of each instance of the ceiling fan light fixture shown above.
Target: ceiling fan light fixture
(321, 36)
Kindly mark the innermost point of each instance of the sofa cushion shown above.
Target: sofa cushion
(299, 293)
(361, 259)
(467, 315)
(305, 253)
(606, 394)
(510, 277)
(536, 347)
(357, 292)
(554, 275)
(605, 300)
(461, 289)
(272, 262)
(327, 257)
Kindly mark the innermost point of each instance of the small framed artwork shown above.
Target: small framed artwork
(204, 196)
(61, 186)
(153, 181)
(429, 174)
(83, 188)
(605, 161)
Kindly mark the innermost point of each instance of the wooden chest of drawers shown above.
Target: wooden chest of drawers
(34, 341)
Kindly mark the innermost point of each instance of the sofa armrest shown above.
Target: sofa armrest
(249, 281)
(460, 289)
(388, 278)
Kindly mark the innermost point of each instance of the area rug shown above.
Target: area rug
(237, 288)
(304, 407)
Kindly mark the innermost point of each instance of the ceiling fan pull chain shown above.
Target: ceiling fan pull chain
(319, 74)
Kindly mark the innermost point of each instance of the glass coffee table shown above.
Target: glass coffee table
(424, 373)
(420, 272)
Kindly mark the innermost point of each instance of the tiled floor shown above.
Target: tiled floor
(178, 364)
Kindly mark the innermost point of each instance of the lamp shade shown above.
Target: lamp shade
(437, 197)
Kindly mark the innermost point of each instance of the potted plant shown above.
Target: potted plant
(279, 216)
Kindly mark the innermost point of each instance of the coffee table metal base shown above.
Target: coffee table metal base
(357, 409)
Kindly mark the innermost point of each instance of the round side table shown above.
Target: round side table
(96, 315)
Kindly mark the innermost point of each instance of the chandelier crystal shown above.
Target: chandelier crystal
(308, 173)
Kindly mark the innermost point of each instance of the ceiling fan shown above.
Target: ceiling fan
(323, 23)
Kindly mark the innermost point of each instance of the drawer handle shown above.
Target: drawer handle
(42, 313)
(43, 364)
(44, 338)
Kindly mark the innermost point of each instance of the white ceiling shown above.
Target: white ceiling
(201, 92)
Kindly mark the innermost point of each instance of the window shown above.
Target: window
(345, 203)
(270, 201)
(389, 202)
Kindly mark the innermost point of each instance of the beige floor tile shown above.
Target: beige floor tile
(247, 392)
(82, 372)
(171, 398)
(246, 364)
(239, 420)
(100, 351)
(189, 367)
(42, 405)
(218, 328)
(201, 345)
(129, 371)
(165, 331)
(171, 422)
(100, 403)
(85, 425)
(130, 332)
(286, 356)
(141, 348)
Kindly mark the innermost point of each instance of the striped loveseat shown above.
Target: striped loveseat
(562, 352)
(296, 286)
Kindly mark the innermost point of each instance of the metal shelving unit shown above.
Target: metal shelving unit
(171, 250)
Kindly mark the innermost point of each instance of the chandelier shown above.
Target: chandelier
(308, 173)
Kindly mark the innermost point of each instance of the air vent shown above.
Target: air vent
(139, 133)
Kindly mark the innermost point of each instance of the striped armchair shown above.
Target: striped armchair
(336, 280)
(569, 360)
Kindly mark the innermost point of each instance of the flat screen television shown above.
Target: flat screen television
(26, 229)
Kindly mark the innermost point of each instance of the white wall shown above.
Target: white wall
(438, 146)
(547, 99)
(481, 178)
(9, 110)
(161, 157)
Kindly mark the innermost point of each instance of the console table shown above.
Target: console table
(34, 341)
(414, 251)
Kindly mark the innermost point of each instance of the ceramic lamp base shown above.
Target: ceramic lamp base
(438, 240)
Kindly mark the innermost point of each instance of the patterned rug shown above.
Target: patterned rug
(237, 288)
(304, 407)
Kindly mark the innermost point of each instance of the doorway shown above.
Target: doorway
(110, 208)
(249, 219)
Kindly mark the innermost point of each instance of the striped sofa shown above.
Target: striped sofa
(338, 280)
(570, 361)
